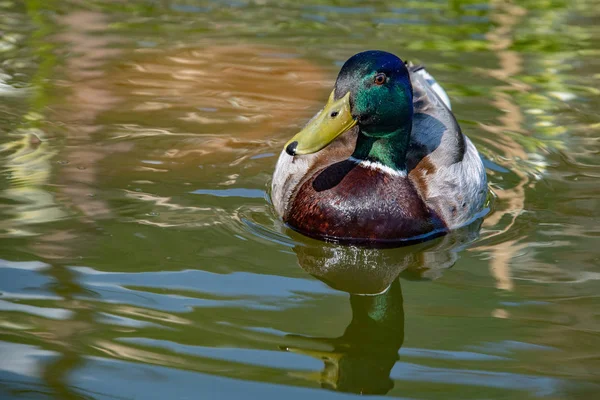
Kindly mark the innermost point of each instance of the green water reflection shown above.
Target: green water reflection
(360, 361)
(139, 254)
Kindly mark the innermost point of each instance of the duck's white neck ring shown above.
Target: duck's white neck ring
(375, 165)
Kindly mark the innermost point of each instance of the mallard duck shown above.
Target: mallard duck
(383, 162)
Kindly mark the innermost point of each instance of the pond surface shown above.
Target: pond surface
(140, 256)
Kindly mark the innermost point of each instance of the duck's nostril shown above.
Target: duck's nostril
(334, 114)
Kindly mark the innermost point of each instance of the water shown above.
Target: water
(140, 257)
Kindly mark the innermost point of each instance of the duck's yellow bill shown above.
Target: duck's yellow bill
(328, 124)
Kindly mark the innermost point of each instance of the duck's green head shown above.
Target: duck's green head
(372, 91)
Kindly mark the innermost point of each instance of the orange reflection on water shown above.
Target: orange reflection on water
(219, 98)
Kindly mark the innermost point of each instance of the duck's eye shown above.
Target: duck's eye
(380, 78)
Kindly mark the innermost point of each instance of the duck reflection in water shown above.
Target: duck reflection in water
(360, 361)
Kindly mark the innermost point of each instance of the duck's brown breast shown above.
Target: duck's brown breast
(350, 202)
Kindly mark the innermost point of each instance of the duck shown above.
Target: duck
(383, 163)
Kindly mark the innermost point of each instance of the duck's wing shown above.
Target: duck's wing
(443, 164)
(434, 126)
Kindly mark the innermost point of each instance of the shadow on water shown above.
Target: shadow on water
(361, 359)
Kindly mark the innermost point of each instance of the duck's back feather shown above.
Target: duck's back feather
(431, 82)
